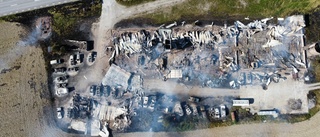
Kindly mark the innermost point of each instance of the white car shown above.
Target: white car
(56, 61)
(222, 111)
(62, 79)
(216, 113)
(59, 112)
(78, 58)
(188, 110)
(72, 62)
(145, 101)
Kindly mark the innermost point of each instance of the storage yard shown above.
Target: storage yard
(181, 70)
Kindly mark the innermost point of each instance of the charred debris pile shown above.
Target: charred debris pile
(225, 57)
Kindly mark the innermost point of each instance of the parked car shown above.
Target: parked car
(106, 91)
(187, 109)
(90, 59)
(223, 110)
(78, 58)
(70, 113)
(62, 78)
(216, 113)
(194, 99)
(56, 61)
(98, 90)
(72, 62)
(74, 69)
(152, 100)
(60, 70)
(60, 112)
(202, 110)
(249, 78)
(93, 90)
(242, 78)
(141, 60)
(62, 85)
(145, 101)
(194, 110)
(92, 56)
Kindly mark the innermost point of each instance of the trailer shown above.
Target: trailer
(240, 103)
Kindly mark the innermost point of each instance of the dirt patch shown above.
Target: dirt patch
(23, 79)
(203, 20)
(9, 69)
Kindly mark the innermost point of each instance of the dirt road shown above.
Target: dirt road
(112, 13)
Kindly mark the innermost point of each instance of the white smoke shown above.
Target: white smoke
(32, 39)
(9, 57)
(18, 50)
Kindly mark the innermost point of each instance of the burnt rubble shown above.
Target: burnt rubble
(210, 57)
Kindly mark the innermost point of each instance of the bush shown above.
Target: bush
(132, 2)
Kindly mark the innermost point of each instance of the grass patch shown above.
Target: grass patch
(65, 17)
(295, 118)
(312, 31)
(316, 93)
(228, 122)
(180, 124)
(228, 8)
(132, 2)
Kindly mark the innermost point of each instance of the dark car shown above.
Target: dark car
(62, 78)
(70, 113)
(73, 69)
(60, 70)
(60, 61)
(92, 56)
(106, 91)
(62, 85)
(98, 91)
(93, 90)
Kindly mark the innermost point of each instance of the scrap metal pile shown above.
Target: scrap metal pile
(220, 53)
(80, 108)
